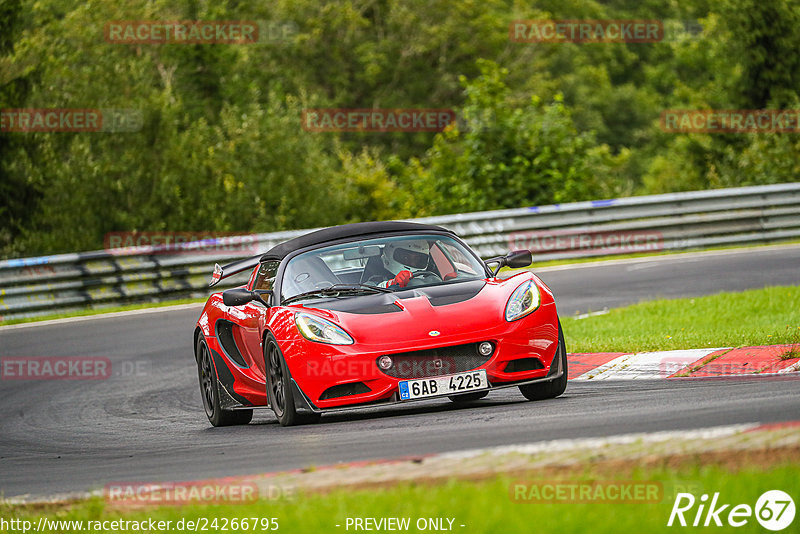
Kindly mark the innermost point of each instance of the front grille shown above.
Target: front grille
(436, 362)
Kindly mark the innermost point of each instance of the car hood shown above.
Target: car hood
(387, 302)
(422, 315)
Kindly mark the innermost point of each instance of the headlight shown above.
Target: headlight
(321, 330)
(524, 300)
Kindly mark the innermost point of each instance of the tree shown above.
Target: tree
(511, 156)
(18, 192)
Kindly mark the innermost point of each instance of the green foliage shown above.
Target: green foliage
(512, 155)
(765, 37)
(221, 145)
(17, 192)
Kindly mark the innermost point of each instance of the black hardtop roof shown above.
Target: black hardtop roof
(344, 231)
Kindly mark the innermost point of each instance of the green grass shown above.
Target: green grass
(768, 316)
(483, 507)
(100, 311)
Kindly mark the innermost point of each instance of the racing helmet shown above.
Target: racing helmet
(412, 255)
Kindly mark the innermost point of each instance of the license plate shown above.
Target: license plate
(443, 385)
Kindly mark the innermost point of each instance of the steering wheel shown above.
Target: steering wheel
(375, 279)
(422, 275)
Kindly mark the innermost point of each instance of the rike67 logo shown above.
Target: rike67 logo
(774, 510)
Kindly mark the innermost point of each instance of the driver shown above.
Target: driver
(401, 257)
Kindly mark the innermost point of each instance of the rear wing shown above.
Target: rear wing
(232, 268)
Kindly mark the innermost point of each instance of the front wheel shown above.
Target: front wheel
(279, 389)
(554, 388)
(209, 389)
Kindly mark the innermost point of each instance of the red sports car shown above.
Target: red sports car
(371, 314)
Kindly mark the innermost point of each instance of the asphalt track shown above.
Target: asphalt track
(146, 423)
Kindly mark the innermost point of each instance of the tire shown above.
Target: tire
(209, 391)
(279, 390)
(554, 388)
(468, 397)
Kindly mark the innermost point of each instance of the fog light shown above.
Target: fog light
(385, 362)
(485, 348)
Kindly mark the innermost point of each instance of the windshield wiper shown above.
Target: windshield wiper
(373, 289)
(337, 289)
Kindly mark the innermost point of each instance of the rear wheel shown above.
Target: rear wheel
(209, 390)
(468, 397)
(554, 388)
(279, 390)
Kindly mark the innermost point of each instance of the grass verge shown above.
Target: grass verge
(768, 316)
(482, 506)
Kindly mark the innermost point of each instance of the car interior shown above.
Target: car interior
(362, 265)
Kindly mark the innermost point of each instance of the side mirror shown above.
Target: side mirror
(518, 259)
(240, 296)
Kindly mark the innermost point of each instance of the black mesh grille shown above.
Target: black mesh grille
(523, 364)
(436, 362)
(345, 390)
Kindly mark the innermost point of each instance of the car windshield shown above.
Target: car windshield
(361, 266)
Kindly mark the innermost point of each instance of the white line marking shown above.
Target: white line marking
(681, 257)
(640, 266)
(591, 314)
(112, 315)
(645, 365)
(596, 443)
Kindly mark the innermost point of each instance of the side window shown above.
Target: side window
(266, 275)
(462, 263)
(446, 269)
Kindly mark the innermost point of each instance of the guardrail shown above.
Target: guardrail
(678, 221)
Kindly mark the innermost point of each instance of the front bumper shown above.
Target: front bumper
(315, 374)
(303, 402)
